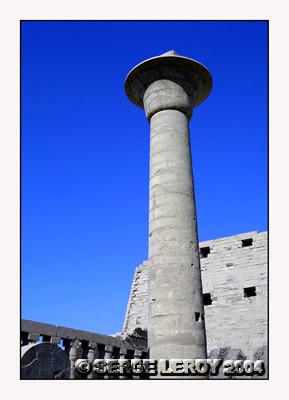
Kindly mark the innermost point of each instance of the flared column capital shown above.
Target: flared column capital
(169, 81)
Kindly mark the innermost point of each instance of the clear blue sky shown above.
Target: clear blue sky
(85, 156)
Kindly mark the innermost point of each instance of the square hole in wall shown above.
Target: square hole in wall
(204, 252)
(230, 264)
(250, 291)
(207, 299)
(247, 242)
(197, 316)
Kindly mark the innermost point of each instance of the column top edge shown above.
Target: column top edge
(163, 67)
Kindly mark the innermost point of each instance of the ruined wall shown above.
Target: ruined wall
(137, 308)
(234, 277)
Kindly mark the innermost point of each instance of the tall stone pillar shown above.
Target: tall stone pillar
(168, 87)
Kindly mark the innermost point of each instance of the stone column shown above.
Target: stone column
(168, 87)
(137, 356)
(73, 356)
(122, 356)
(91, 355)
(108, 356)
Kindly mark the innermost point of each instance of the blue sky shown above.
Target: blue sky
(85, 156)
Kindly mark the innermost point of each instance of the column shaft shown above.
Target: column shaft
(168, 87)
(175, 290)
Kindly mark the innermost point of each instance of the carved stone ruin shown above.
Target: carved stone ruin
(44, 361)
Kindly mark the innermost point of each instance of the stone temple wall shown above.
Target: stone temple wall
(234, 277)
(137, 308)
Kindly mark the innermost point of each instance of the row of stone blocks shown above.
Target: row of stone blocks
(55, 356)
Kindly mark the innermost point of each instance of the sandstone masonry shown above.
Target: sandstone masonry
(234, 280)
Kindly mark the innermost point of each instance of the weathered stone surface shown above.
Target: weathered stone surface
(33, 336)
(32, 326)
(44, 361)
(70, 336)
(262, 354)
(226, 353)
(137, 339)
(77, 344)
(175, 290)
(69, 333)
(55, 340)
(232, 319)
(168, 87)
(184, 71)
(164, 94)
(137, 307)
